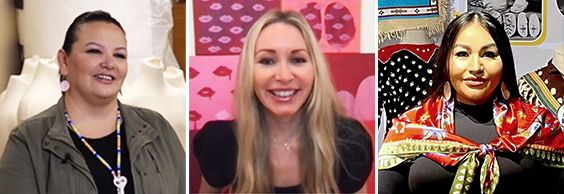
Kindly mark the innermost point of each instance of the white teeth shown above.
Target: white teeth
(106, 77)
(284, 93)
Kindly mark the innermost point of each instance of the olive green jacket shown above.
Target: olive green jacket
(40, 156)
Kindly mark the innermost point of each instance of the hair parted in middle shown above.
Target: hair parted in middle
(496, 30)
(319, 156)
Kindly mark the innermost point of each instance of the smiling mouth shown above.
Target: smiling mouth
(476, 79)
(474, 82)
(284, 94)
(104, 77)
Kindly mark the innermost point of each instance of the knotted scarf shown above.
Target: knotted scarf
(428, 130)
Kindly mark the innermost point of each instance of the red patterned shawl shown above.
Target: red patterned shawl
(428, 130)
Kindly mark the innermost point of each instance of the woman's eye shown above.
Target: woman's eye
(298, 60)
(266, 61)
(94, 51)
(120, 56)
(461, 54)
(489, 54)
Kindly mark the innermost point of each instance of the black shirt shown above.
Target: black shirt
(475, 122)
(215, 146)
(106, 147)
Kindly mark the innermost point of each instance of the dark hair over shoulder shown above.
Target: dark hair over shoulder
(496, 30)
(86, 17)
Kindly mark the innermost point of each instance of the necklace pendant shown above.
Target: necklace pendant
(120, 183)
(287, 146)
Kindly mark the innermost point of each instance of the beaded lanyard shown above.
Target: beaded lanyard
(119, 181)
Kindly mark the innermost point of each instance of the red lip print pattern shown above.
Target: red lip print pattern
(236, 30)
(235, 49)
(224, 39)
(206, 92)
(193, 73)
(214, 49)
(223, 71)
(312, 13)
(216, 6)
(226, 18)
(258, 7)
(246, 18)
(339, 25)
(194, 117)
(205, 40)
(215, 29)
(205, 18)
(221, 20)
(237, 7)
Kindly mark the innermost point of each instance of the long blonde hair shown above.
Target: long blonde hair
(319, 156)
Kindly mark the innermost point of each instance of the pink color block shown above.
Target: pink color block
(217, 73)
(365, 99)
(348, 101)
(348, 40)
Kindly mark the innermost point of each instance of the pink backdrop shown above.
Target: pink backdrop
(216, 74)
(336, 23)
(212, 80)
(220, 26)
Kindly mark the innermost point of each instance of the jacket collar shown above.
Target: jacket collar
(58, 130)
(59, 142)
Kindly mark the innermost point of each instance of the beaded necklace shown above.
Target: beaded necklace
(119, 180)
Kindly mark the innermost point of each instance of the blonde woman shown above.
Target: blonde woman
(290, 134)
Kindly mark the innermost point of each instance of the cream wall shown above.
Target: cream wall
(191, 49)
(368, 26)
(9, 57)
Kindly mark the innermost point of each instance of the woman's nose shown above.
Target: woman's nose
(475, 65)
(284, 73)
(109, 62)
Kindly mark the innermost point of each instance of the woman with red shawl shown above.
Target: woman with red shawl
(473, 134)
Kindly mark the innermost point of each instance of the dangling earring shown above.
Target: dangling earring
(64, 84)
(446, 91)
(505, 92)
